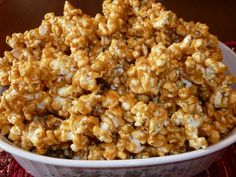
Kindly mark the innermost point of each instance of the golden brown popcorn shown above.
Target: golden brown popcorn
(140, 113)
(135, 81)
(85, 104)
(79, 142)
(102, 133)
(83, 124)
(165, 21)
(134, 146)
(4, 125)
(36, 134)
(95, 153)
(142, 80)
(127, 101)
(85, 78)
(110, 151)
(159, 119)
(63, 66)
(5, 70)
(61, 105)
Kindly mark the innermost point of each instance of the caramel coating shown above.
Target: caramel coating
(133, 82)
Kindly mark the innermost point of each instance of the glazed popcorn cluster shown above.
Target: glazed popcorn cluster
(133, 82)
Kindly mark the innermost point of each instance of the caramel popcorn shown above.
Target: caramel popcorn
(133, 82)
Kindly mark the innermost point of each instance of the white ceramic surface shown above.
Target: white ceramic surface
(181, 165)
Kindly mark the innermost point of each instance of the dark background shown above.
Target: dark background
(21, 15)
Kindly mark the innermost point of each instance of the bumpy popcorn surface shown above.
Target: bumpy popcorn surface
(133, 82)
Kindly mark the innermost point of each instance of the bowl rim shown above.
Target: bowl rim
(16, 151)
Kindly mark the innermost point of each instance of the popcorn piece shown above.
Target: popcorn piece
(142, 80)
(102, 133)
(139, 109)
(110, 151)
(166, 20)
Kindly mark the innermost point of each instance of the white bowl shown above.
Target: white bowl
(181, 165)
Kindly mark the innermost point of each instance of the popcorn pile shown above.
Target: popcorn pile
(133, 82)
